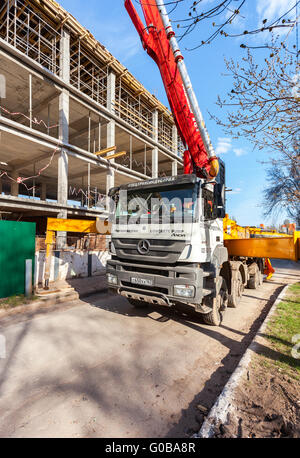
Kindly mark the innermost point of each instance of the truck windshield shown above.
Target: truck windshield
(174, 204)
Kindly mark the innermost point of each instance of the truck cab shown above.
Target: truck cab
(167, 241)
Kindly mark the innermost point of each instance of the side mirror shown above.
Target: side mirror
(219, 198)
(113, 191)
(221, 212)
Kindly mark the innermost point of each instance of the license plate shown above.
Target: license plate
(141, 281)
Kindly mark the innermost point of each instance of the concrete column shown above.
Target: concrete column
(64, 57)
(155, 150)
(44, 192)
(175, 140)
(174, 168)
(63, 159)
(111, 92)
(111, 130)
(175, 147)
(14, 187)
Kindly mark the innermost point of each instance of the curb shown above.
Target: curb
(223, 405)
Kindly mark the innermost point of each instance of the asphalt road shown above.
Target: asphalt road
(102, 369)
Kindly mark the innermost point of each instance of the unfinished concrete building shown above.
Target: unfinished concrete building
(65, 98)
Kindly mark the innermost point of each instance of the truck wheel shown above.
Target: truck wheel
(254, 281)
(236, 295)
(138, 304)
(215, 317)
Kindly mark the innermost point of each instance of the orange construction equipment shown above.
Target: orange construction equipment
(256, 243)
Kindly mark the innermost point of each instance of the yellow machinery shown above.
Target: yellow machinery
(255, 232)
(233, 231)
(252, 242)
(70, 225)
(240, 241)
(265, 247)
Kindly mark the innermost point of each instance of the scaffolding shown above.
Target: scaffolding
(28, 32)
(131, 108)
(165, 134)
(73, 90)
(35, 29)
(87, 75)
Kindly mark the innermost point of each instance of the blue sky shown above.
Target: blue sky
(109, 23)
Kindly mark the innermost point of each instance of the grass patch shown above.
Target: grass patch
(282, 327)
(16, 301)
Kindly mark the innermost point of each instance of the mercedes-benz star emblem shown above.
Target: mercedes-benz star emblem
(143, 247)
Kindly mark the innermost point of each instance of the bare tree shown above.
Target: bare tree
(263, 105)
(219, 15)
(283, 190)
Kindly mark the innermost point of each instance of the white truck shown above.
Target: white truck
(167, 235)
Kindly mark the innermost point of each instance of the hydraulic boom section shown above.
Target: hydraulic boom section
(158, 39)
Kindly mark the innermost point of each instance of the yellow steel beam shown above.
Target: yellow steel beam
(114, 156)
(71, 225)
(105, 151)
(77, 225)
(50, 239)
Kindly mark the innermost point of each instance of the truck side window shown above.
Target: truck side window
(208, 204)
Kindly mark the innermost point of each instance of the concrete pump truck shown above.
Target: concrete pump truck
(167, 244)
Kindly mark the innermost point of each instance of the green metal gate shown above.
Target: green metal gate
(17, 244)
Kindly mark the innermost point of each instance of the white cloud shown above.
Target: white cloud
(239, 152)
(273, 9)
(120, 40)
(236, 191)
(224, 145)
(296, 86)
(123, 49)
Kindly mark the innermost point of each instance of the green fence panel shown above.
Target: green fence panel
(17, 243)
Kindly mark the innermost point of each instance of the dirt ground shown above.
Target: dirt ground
(267, 406)
(266, 402)
(100, 368)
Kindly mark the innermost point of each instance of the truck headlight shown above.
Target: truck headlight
(112, 279)
(184, 291)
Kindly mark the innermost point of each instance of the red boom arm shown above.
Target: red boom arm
(156, 43)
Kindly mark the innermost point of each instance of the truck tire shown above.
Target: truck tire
(236, 295)
(215, 317)
(138, 304)
(254, 281)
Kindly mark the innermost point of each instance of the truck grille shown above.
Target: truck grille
(145, 270)
(160, 251)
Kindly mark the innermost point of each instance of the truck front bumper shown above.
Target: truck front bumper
(155, 284)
